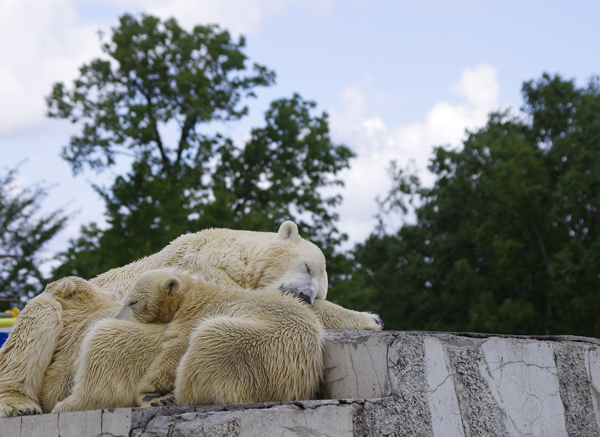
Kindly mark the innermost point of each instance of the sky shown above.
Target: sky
(397, 77)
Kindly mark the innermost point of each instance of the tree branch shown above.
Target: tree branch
(540, 243)
(163, 156)
(190, 122)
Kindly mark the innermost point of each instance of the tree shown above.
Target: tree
(506, 240)
(24, 234)
(569, 129)
(157, 74)
(280, 172)
(202, 181)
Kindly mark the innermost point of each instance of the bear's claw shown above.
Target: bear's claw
(150, 398)
(378, 320)
(161, 401)
(16, 409)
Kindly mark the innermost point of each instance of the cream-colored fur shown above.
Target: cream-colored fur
(244, 359)
(83, 304)
(114, 356)
(333, 316)
(30, 359)
(51, 329)
(245, 259)
(223, 345)
(25, 357)
(228, 345)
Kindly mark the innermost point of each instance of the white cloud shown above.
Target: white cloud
(445, 4)
(237, 16)
(43, 42)
(376, 144)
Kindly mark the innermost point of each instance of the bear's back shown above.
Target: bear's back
(206, 299)
(202, 253)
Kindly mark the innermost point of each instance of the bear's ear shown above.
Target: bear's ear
(288, 231)
(171, 286)
(64, 288)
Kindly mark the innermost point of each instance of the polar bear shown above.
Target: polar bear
(115, 355)
(69, 307)
(82, 304)
(40, 343)
(223, 345)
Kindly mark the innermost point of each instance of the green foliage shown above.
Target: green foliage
(24, 234)
(156, 74)
(507, 239)
(159, 74)
(281, 170)
(255, 187)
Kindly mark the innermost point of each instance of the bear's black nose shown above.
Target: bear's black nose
(304, 297)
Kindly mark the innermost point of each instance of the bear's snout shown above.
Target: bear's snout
(304, 297)
(303, 292)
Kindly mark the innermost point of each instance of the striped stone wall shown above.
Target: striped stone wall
(391, 384)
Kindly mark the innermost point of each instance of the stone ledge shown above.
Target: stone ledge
(391, 383)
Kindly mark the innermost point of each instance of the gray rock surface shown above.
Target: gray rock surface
(390, 384)
(576, 389)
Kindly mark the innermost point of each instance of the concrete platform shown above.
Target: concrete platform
(390, 384)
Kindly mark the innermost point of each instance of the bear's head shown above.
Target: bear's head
(154, 298)
(73, 290)
(294, 265)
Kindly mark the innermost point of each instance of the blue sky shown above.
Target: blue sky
(413, 50)
(397, 77)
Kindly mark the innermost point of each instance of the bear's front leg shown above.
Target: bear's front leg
(158, 383)
(167, 400)
(336, 317)
(26, 355)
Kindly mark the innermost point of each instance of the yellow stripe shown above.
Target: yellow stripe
(4, 323)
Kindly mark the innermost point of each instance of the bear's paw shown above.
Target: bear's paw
(13, 406)
(167, 400)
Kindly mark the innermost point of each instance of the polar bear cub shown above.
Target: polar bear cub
(225, 345)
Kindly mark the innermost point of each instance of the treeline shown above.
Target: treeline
(506, 240)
